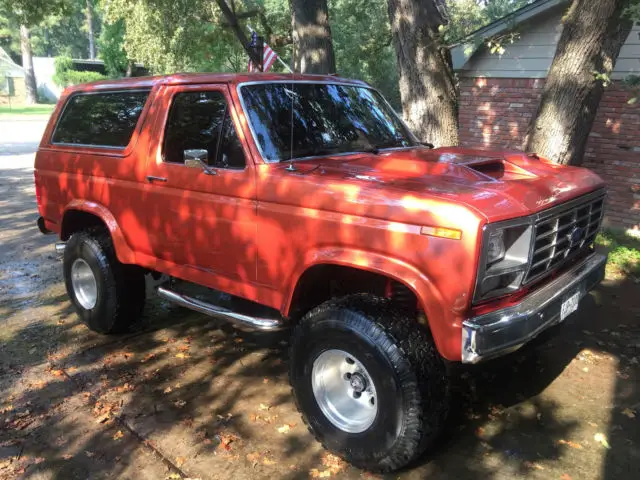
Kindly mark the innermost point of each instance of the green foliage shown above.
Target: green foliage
(32, 12)
(624, 251)
(602, 77)
(633, 83)
(466, 16)
(111, 48)
(60, 30)
(362, 44)
(65, 75)
(174, 35)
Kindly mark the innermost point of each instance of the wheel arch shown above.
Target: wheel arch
(80, 215)
(380, 266)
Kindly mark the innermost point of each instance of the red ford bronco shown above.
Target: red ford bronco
(308, 196)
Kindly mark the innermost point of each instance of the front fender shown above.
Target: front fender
(444, 323)
(123, 250)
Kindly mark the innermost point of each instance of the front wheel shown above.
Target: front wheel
(369, 382)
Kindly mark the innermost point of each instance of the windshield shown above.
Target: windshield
(327, 119)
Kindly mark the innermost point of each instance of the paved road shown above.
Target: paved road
(20, 135)
(186, 396)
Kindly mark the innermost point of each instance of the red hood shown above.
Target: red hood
(499, 185)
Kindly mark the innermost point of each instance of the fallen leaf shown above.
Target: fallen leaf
(118, 435)
(629, 413)
(89, 453)
(593, 424)
(601, 439)
(182, 355)
(167, 390)
(284, 428)
(565, 476)
(265, 380)
(570, 444)
(264, 406)
(179, 403)
(334, 463)
(180, 461)
(103, 418)
(127, 387)
(173, 476)
(315, 473)
(238, 340)
(533, 465)
(148, 357)
(253, 458)
(268, 461)
(67, 457)
(56, 372)
(226, 439)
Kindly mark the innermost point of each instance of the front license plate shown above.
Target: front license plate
(569, 306)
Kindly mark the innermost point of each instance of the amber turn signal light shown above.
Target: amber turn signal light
(442, 232)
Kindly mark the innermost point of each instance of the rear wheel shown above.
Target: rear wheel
(108, 295)
(369, 382)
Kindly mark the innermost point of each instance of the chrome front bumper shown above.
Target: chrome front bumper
(502, 331)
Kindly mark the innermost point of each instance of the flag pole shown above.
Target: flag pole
(282, 62)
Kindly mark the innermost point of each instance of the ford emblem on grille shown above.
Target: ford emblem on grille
(576, 235)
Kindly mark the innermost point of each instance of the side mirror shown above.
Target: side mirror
(197, 158)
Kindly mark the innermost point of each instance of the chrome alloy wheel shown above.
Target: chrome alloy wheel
(84, 284)
(344, 391)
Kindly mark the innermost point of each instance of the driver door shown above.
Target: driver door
(202, 217)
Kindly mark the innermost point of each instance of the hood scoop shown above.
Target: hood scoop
(493, 168)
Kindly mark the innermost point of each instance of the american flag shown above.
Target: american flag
(268, 59)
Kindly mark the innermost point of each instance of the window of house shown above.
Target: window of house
(100, 119)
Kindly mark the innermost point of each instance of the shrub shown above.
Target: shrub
(65, 75)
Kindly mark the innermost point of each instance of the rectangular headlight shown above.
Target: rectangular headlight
(504, 259)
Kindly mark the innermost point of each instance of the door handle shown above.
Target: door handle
(151, 179)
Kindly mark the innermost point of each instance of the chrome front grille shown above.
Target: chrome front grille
(563, 232)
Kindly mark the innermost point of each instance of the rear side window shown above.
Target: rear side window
(100, 119)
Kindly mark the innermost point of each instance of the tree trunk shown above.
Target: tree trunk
(427, 85)
(92, 40)
(594, 32)
(313, 47)
(27, 65)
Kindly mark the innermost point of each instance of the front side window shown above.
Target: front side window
(297, 120)
(100, 119)
(201, 120)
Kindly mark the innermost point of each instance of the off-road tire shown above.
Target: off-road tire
(120, 287)
(410, 377)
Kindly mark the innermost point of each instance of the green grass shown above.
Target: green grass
(39, 109)
(624, 251)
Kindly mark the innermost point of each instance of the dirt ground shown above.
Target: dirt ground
(185, 396)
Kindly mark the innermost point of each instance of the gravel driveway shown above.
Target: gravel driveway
(185, 396)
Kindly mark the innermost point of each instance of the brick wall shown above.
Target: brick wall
(495, 113)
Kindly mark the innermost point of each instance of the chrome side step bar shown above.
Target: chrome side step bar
(242, 321)
(60, 246)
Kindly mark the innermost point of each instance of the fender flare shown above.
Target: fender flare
(424, 289)
(124, 252)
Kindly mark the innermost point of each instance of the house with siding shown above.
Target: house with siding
(12, 88)
(499, 94)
